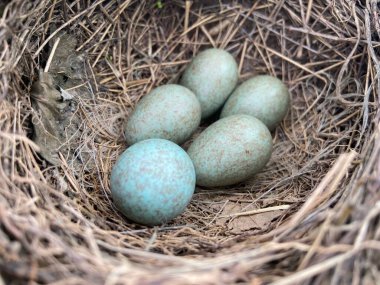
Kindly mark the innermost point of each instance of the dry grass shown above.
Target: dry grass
(58, 224)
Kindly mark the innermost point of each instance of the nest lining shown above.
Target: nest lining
(311, 216)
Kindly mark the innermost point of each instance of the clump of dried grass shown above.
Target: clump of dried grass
(312, 216)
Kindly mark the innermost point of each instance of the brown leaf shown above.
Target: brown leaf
(240, 224)
(56, 121)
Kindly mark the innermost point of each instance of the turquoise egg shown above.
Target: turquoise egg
(264, 97)
(169, 112)
(230, 151)
(152, 182)
(211, 75)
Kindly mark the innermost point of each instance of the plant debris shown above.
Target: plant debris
(56, 101)
(252, 223)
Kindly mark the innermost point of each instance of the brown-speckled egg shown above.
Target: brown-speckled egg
(230, 151)
(211, 75)
(152, 182)
(264, 97)
(169, 112)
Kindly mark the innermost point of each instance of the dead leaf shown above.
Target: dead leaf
(48, 117)
(240, 224)
(57, 122)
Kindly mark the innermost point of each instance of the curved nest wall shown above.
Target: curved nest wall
(312, 215)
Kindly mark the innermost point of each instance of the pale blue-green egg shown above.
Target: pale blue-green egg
(230, 151)
(211, 75)
(169, 112)
(153, 181)
(264, 97)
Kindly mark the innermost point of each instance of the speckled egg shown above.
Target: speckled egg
(153, 181)
(212, 75)
(169, 112)
(264, 97)
(230, 151)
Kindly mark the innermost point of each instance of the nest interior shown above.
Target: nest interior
(311, 216)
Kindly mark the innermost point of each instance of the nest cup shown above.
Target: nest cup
(310, 217)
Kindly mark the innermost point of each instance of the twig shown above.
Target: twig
(258, 211)
(51, 55)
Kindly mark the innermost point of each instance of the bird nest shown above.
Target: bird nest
(71, 72)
